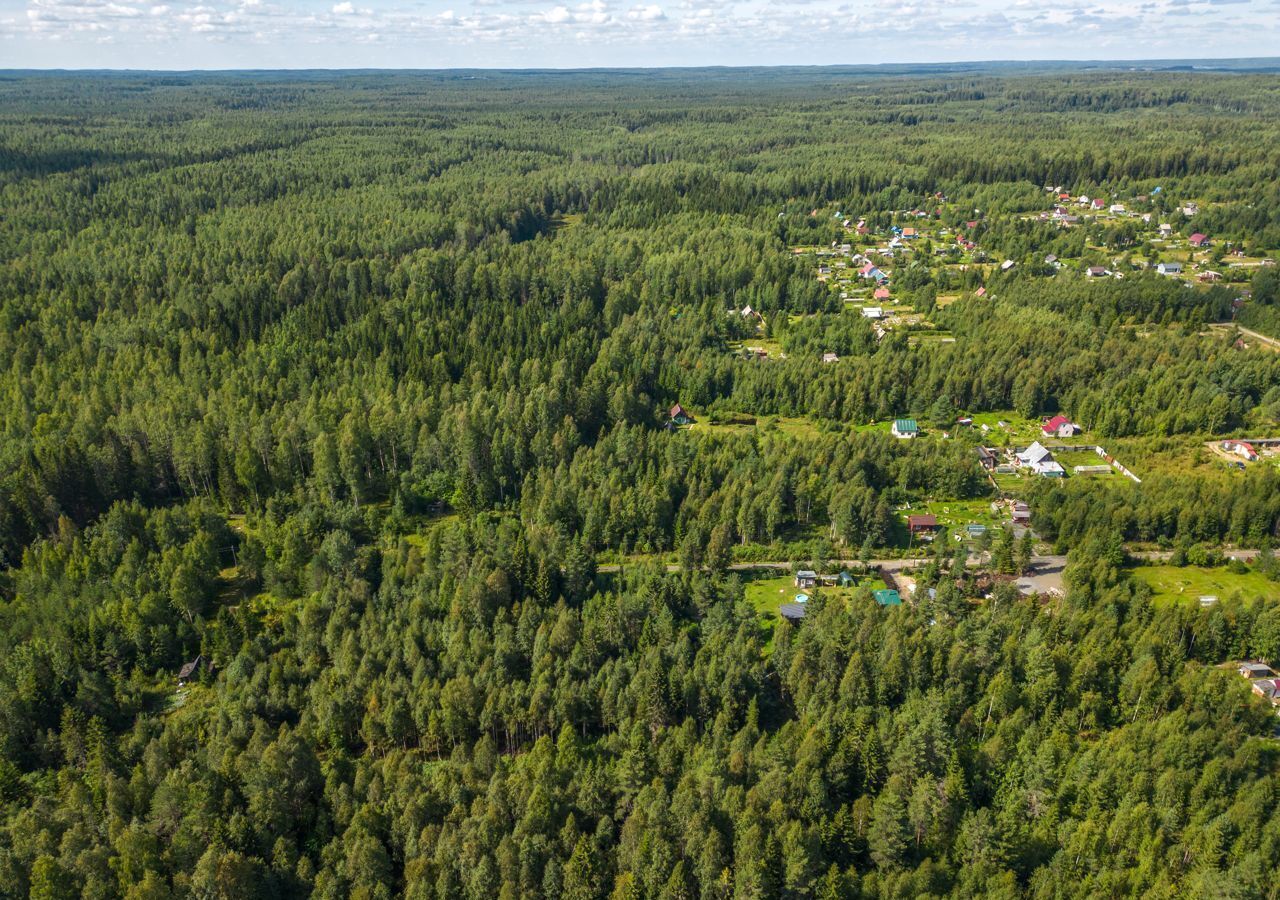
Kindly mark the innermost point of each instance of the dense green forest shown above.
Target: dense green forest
(357, 389)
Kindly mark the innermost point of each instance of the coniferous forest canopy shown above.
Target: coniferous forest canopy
(357, 392)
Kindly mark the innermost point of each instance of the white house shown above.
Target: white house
(1165, 229)
(872, 312)
(1169, 268)
(1242, 449)
(1034, 455)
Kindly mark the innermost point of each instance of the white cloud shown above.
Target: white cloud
(651, 13)
(637, 32)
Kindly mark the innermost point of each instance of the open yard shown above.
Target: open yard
(767, 592)
(954, 515)
(1186, 584)
(1016, 429)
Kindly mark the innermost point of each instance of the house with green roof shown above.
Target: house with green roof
(887, 597)
(905, 428)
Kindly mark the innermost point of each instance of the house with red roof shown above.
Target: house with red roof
(680, 416)
(1199, 240)
(1059, 426)
(1243, 449)
(882, 294)
(1099, 203)
(922, 525)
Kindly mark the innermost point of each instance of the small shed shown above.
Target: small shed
(887, 597)
(191, 670)
(792, 612)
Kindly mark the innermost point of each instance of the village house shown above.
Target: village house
(191, 670)
(1099, 204)
(1190, 209)
(881, 294)
(830, 358)
(806, 578)
(1256, 670)
(1059, 426)
(925, 525)
(1209, 276)
(1039, 460)
(870, 270)
(1116, 209)
(680, 416)
(986, 458)
(1169, 268)
(1020, 513)
(872, 312)
(1096, 272)
(905, 428)
(1166, 230)
(1199, 240)
(1242, 449)
(1268, 688)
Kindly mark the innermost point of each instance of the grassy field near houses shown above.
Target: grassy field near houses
(954, 515)
(767, 592)
(1015, 430)
(1186, 584)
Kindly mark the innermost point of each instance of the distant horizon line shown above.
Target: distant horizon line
(1218, 63)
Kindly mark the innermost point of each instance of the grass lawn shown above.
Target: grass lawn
(1071, 459)
(1012, 484)
(791, 426)
(767, 593)
(954, 515)
(1174, 584)
(1174, 455)
(916, 338)
(1016, 429)
(769, 345)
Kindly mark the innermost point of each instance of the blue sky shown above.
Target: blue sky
(190, 34)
